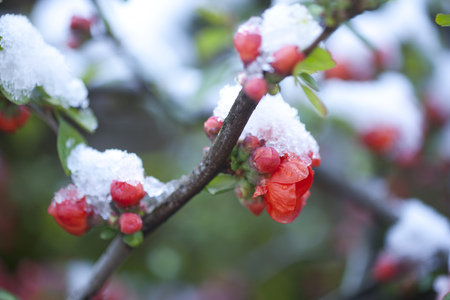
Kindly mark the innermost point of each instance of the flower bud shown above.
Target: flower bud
(242, 189)
(250, 143)
(266, 159)
(125, 194)
(70, 210)
(130, 223)
(386, 267)
(212, 127)
(13, 117)
(381, 140)
(255, 206)
(256, 88)
(285, 59)
(247, 42)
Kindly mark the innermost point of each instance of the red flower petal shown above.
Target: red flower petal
(290, 172)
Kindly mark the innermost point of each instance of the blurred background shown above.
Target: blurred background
(153, 70)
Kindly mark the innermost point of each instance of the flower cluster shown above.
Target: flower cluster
(273, 160)
(12, 116)
(273, 44)
(107, 185)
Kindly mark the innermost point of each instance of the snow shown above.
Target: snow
(158, 191)
(26, 62)
(388, 101)
(420, 233)
(70, 192)
(274, 121)
(288, 25)
(157, 38)
(94, 171)
(438, 90)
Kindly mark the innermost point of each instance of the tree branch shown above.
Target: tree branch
(211, 164)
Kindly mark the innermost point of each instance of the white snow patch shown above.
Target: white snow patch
(288, 25)
(388, 101)
(274, 121)
(94, 171)
(26, 62)
(420, 233)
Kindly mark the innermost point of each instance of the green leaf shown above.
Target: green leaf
(318, 60)
(309, 80)
(68, 139)
(315, 101)
(443, 20)
(83, 117)
(446, 297)
(21, 101)
(107, 233)
(221, 183)
(210, 41)
(133, 240)
(4, 295)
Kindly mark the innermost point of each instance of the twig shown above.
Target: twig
(354, 192)
(46, 116)
(207, 169)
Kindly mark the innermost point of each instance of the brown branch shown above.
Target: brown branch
(45, 116)
(211, 164)
(376, 204)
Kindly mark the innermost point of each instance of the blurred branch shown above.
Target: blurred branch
(360, 194)
(211, 164)
(46, 116)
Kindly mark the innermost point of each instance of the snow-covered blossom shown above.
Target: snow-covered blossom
(420, 233)
(26, 62)
(94, 171)
(273, 120)
(387, 102)
(288, 25)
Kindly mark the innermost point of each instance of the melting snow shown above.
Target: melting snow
(274, 121)
(26, 62)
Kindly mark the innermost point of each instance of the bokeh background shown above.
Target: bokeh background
(153, 70)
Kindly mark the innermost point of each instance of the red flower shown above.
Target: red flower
(287, 189)
(125, 194)
(70, 211)
(11, 121)
(286, 58)
(381, 139)
(256, 88)
(130, 223)
(266, 159)
(247, 43)
(212, 127)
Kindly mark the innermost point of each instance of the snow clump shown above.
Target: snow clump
(27, 62)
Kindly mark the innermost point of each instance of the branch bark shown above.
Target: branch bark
(206, 170)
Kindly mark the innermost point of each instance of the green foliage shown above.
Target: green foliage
(68, 139)
(4, 295)
(446, 297)
(315, 101)
(220, 184)
(309, 80)
(443, 20)
(83, 117)
(21, 101)
(107, 233)
(210, 41)
(133, 240)
(318, 60)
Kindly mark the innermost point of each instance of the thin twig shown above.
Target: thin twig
(46, 116)
(211, 164)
